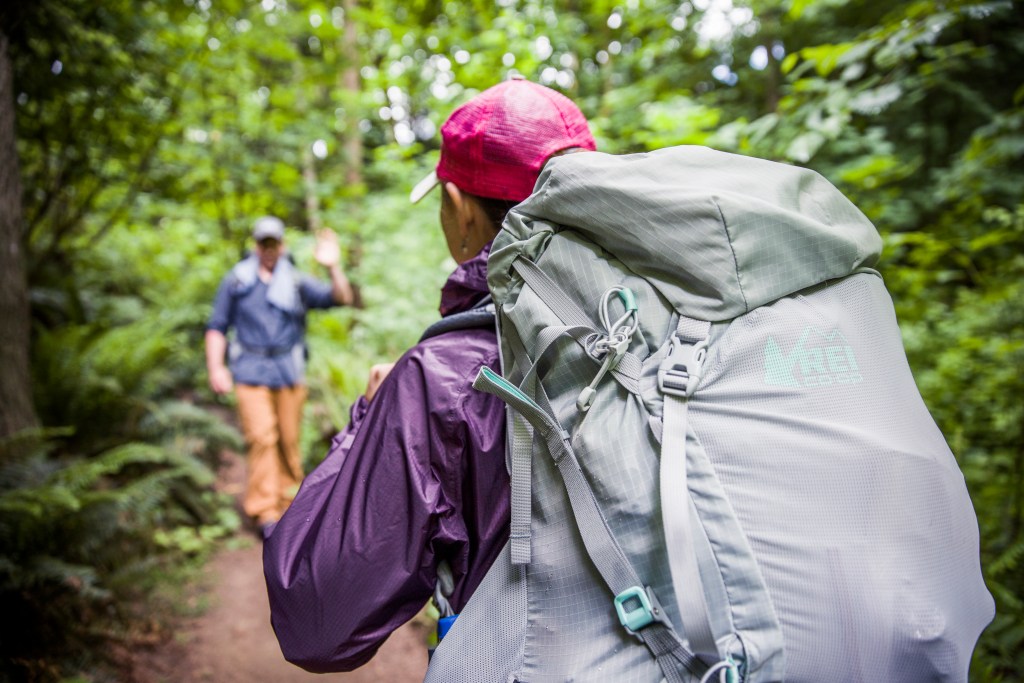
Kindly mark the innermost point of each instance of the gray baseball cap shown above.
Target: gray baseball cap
(268, 227)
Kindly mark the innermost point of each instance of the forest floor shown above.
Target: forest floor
(229, 639)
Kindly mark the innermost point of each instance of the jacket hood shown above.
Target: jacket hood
(717, 234)
(466, 285)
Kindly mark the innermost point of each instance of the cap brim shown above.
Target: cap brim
(424, 187)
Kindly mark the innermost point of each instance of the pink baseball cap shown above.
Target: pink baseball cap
(496, 144)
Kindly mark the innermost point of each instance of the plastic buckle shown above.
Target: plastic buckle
(680, 372)
(444, 624)
(637, 607)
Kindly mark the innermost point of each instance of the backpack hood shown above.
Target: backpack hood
(718, 234)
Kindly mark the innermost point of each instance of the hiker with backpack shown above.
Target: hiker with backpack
(720, 468)
(264, 300)
(413, 497)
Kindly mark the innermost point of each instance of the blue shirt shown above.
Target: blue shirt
(268, 348)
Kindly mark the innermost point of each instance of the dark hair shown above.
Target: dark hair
(496, 209)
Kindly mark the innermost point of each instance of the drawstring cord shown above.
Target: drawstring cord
(727, 672)
(613, 344)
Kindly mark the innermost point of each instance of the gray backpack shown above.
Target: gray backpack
(721, 466)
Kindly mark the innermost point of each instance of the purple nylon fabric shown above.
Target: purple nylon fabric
(417, 476)
(467, 285)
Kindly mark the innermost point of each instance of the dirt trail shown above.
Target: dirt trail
(233, 641)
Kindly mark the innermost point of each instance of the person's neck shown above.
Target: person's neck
(265, 274)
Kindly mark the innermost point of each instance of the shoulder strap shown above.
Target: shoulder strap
(481, 315)
(635, 603)
(678, 377)
(704, 508)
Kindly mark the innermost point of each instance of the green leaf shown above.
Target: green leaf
(789, 62)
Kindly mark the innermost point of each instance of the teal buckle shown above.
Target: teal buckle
(634, 608)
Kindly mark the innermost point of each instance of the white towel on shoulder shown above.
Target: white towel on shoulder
(282, 292)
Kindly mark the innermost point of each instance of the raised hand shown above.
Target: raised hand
(327, 252)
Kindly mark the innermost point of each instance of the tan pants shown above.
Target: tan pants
(271, 419)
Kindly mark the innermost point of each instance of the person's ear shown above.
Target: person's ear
(462, 208)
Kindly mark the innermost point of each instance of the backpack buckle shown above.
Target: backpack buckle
(680, 372)
(637, 608)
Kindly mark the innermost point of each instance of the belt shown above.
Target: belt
(268, 351)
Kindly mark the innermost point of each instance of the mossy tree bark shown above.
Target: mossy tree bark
(17, 412)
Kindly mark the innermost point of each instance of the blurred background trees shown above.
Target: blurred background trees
(149, 134)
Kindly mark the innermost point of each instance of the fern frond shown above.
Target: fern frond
(1006, 596)
(173, 420)
(35, 502)
(81, 578)
(1008, 560)
(86, 473)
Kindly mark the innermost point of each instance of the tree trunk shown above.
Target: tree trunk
(352, 140)
(17, 412)
(772, 94)
(350, 87)
(309, 181)
(311, 197)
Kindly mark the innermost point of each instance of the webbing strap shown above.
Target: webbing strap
(613, 565)
(521, 359)
(444, 588)
(522, 472)
(522, 437)
(604, 551)
(545, 341)
(551, 294)
(659, 636)
(628, 370)
(520, 466)
(606, 554)
(669, 652)
(684, 364)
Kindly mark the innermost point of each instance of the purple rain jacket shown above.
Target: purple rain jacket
(417, 476)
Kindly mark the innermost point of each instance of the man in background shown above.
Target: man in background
(265, 299)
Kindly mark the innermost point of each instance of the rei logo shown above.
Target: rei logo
(819, 359)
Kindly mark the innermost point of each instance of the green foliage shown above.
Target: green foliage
(170, 125)
(81, 536)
